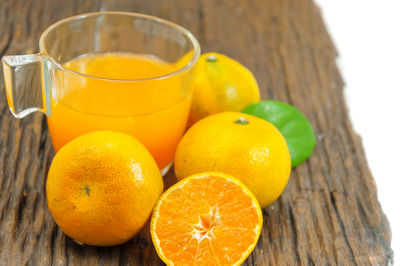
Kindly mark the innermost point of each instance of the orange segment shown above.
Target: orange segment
(206, 219)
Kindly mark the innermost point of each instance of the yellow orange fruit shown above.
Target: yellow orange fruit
(206, 219)
(244, 146)
(221, 84)
(102, 187)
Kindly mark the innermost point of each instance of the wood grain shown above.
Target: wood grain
(328, 214)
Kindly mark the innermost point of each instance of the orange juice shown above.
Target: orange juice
(123, 92)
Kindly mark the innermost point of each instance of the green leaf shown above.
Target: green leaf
(293, 125)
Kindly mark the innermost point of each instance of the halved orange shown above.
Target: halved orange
(206, 219)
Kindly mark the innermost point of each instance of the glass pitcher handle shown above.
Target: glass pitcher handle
(27, 83)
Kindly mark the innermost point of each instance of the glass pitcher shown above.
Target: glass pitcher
(153, 109)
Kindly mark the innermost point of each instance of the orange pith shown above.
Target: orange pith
(206, 219)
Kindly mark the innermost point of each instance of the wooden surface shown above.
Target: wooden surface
(328, 214)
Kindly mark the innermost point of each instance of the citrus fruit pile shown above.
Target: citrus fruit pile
(235, 158)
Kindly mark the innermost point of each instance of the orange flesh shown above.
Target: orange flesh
(155, 111)
(207, 221)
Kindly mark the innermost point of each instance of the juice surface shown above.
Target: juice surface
(153, 110)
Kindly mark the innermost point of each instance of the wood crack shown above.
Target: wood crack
(292, 224)
(43, 136)
(200, 14)
(310, 260)
(339, 219)
(53, 237)
(20, 207)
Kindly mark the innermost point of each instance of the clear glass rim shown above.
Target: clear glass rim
(186, 33)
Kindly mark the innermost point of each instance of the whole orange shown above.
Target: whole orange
(221, 84)
(244, 146)
(102, 187)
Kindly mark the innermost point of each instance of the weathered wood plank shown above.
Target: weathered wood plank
(328, 214)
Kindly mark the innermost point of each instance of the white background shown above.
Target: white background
(367, 35)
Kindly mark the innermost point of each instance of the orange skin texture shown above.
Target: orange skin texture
(102, 187)
(220, 85)
(255, 153)
(206, 219)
